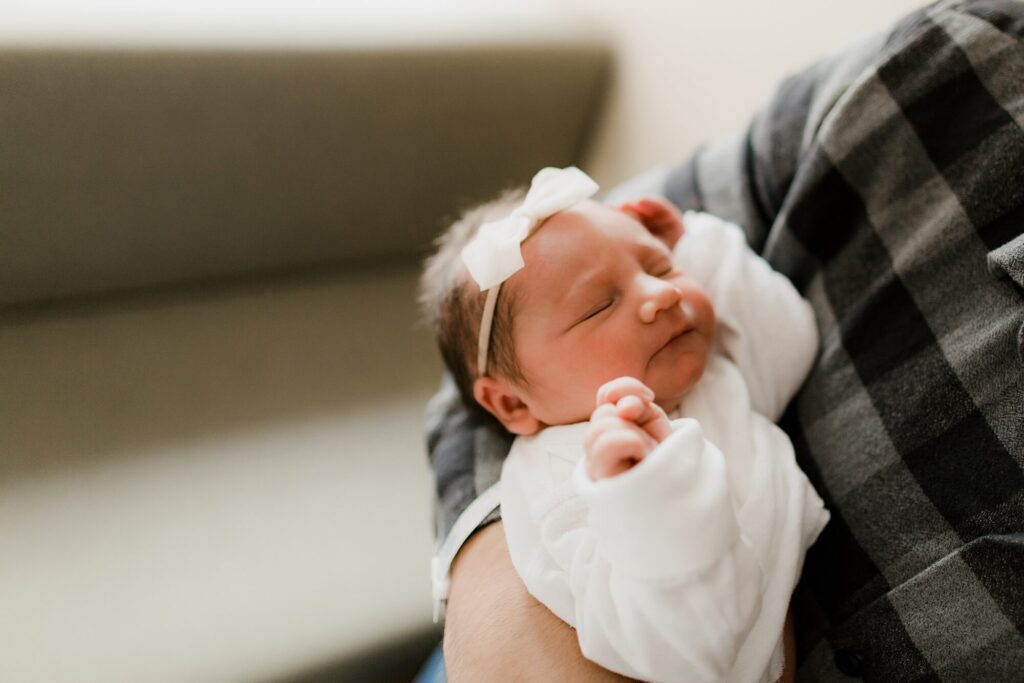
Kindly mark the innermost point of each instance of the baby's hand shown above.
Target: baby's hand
(625, 426)
(658, 215)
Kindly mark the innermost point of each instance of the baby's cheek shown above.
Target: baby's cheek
(702, 309)
(622, 354)
(580, 378)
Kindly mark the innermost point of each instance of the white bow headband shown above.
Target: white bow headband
(495, 252)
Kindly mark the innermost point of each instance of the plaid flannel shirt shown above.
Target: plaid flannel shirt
(888, 183)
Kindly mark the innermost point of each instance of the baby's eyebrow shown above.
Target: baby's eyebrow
(581, 284)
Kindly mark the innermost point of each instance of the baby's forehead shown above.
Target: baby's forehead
(567, 245)
(563, 240)
(576, 233)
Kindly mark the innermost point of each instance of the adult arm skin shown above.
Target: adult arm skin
(494, 627)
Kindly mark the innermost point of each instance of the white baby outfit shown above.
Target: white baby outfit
(682, 568)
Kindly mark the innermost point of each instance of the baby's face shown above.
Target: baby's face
(600, 298)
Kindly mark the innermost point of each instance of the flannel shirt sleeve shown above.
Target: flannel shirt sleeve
(888, 184)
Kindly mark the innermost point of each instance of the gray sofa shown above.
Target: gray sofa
(211, 377)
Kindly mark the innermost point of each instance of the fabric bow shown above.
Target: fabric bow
(495, 252)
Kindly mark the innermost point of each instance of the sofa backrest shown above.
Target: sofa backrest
(123, 169)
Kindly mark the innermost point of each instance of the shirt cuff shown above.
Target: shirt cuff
(671, 515)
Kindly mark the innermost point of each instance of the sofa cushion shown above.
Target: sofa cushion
(229, 485)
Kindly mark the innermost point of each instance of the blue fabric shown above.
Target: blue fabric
(433, 670)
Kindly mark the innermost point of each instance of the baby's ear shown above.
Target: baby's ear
(502, 401)
(660, 216)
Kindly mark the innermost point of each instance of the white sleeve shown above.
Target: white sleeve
(648, 566)
(764, 326)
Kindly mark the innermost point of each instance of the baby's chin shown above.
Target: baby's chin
(669, 404)
(671, 397)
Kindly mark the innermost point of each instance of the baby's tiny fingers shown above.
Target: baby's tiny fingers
(614, 452)
(602, 411)
(659, 428)
(655, 422)
(630, 407)
(613, 391)
(612, 423)
(601, 424)
(656, 207)
(632, 208)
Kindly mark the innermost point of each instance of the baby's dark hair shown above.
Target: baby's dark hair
(453, 304)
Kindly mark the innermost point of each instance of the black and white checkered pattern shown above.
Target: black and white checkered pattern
(888, 183)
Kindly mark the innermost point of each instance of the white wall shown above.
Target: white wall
(690, 69)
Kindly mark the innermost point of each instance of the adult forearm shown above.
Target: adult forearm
(495, 630)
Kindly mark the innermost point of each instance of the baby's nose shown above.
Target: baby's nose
(658, 296)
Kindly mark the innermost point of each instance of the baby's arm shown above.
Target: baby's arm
(648, 564)
(765, 326)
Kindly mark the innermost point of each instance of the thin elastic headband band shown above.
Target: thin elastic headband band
(495, 252)
(484, 341)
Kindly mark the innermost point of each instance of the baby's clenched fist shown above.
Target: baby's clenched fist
(625, 426)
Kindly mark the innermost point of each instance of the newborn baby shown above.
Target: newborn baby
(671, 546)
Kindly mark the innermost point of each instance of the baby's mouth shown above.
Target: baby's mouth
(687, 324)
(685, 328)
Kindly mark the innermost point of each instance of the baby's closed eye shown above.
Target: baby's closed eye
(598, 309)
(663, 268)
